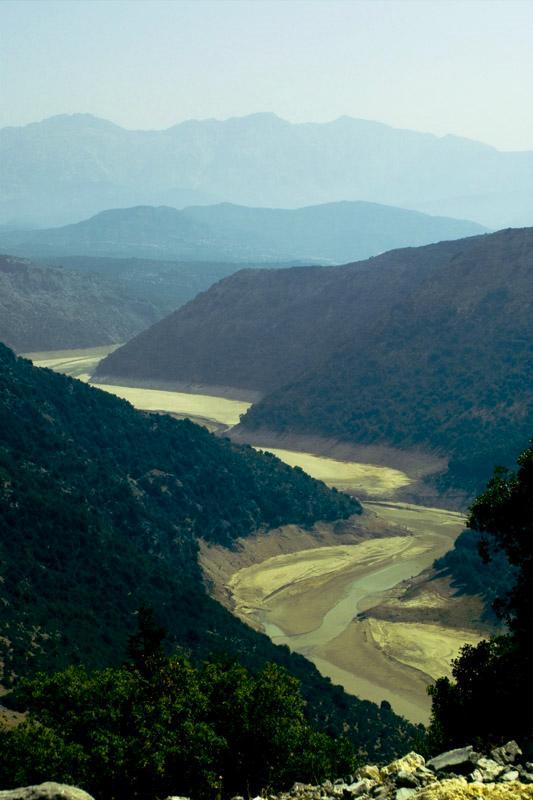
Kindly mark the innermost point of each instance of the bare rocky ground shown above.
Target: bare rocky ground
(460, 774)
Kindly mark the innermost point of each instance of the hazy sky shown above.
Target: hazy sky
(458, 66)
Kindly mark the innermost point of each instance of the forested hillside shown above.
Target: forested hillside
(101, 507)
(48, 309)
(450, 369)
(489, 695)
(424, 347)
(262, 329)
(166, 284)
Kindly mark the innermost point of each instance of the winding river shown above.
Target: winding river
(314, 601)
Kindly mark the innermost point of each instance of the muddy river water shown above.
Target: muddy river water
(309, 600)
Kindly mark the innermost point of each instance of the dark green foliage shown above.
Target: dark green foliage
(145, 646)
(100, 509)
(490, 698)
(487, 703)
(504, 513)
(120, 733)
(100, 499)
(471, 573)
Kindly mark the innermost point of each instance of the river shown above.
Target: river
(326, 601)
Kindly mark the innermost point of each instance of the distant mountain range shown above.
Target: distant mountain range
(425, 347)
(48, 309)
(331, 233)
(66, 168)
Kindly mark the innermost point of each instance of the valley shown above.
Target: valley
(323, 593)
(266, 400)
(216, 413)
(421, 349)
(319, 602)
(77, 363)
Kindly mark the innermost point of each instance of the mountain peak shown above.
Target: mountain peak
(76, 121)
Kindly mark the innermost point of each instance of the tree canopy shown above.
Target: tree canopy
(175, 729)
(489, 699)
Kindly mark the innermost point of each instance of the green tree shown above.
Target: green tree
(175, 729)
(145, 646)
(490, 699)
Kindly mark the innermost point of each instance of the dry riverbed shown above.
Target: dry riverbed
(76, 363)
(358, 598)
(351, 476)
(216, 413)
(317, 601)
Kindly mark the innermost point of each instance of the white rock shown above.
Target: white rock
(460, 759)
(512, 775)
(405, 794)
(45, 791)
(506, 754)
(360, 787)
(489, 769)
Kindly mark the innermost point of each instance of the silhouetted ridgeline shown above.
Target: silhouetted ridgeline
(71, 166)
(424, 347)
(331, 233)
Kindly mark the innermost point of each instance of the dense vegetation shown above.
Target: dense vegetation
(100, 511)
(166, 284)
(419, 348)
(161, 726)
(450, 369)
(489, 699)
(51, 309)
(474, 571)
(99, 498)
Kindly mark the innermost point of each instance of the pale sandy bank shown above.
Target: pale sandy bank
(317, 601)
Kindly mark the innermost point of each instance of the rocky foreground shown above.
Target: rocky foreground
(456, 775)
(461, 774)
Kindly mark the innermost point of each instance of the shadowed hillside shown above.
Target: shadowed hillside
(424, 347)
(166, 284)
(450, 370)
(47, 309)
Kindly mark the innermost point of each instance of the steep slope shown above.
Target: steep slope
(100, 511)
(329, 233)
(45, 309)
(69, 167)
(82, 469)
(166, 284)
(427, 347)
(450, 369)
(261, 329)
